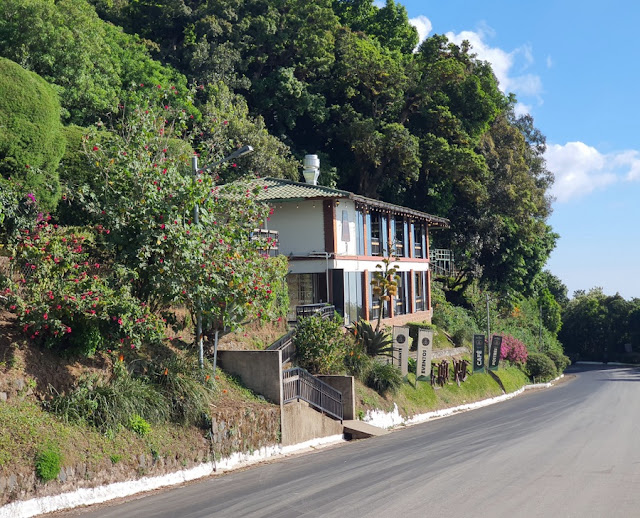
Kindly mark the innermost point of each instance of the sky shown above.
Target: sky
(575, 68)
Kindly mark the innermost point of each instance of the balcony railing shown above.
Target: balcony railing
(269, 241)
(441, 262)
(298, 384)
(326, 311)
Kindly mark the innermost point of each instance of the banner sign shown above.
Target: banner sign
(478, 353)
(401, 348)
(425, 347)
(494, 352)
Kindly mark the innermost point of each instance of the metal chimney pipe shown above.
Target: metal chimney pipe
(311, 169)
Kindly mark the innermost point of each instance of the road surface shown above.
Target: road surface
(572, 450)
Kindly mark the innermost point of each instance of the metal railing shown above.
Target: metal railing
(269, 241)
(285, 344)
(442, 262)
(298, 384)
(308, 310)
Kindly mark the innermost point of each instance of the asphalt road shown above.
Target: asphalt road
(572, 450)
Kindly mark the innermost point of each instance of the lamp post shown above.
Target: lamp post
(244, 150)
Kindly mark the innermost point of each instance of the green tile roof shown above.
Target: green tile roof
(279, 190)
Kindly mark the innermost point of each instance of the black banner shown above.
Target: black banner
(478, 353)
(494, 352)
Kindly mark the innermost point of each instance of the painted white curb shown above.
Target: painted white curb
(96, 495)
(394, 419)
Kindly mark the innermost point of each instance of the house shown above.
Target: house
(334, 239)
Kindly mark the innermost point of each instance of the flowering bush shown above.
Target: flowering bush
(513, 350)
(65, 298)
(145, 209)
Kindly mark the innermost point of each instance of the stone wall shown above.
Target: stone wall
(242, 429)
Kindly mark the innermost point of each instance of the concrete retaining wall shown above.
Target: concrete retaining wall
(261, 371)
(302, 423)
(345, 385)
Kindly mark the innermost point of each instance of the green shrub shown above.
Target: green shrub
(462, 337)
(383, 377)
(320, 345)
(540, 367)
(558, 357)
(108, 405)
(188, 398)
(560, 360)
(139, 425)
(412, 365)
(449, 317)
(31, 140)
(48, 462)
(356, 361)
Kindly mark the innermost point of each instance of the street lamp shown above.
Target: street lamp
(244, 150)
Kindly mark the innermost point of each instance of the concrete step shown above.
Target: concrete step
(361, 430)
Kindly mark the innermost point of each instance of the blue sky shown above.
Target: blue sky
(575, 67)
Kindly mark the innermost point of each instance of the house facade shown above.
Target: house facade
(334, 239)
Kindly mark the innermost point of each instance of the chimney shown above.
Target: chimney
(311, 169)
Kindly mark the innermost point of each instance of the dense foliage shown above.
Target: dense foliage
(597, 326)
(31, 138)
(428, 129)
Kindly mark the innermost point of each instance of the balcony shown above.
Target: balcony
(269, 241)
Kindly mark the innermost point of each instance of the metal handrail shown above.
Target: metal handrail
(297, 383)
(285, 344)
(308, 310)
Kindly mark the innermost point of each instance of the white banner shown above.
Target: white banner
(401, 348)
(425, 347)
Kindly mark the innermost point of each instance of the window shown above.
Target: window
(399, 237)
(420, 291)
(376, 234)
(352, 296)
(419, 243)
(400, 300)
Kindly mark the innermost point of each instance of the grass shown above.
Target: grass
(415, 399)
(26, 429)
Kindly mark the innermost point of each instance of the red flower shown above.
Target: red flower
(95, 148)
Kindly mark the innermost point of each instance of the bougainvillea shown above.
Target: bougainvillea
(513, 350)
(65, 297)
(141, 250)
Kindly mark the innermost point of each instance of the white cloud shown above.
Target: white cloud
(580, 169)
(380, 3)
(549, 62)
(423, 24)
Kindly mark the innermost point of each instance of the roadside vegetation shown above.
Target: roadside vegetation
(104, 266)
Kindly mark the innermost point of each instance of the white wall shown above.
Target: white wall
(347, 211)
(300, 225)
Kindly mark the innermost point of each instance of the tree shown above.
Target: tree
(143, 206)
(595, 326)
(388, 24)
(89, 61)
(31, 139)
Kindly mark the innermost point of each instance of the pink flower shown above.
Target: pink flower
(45, 316)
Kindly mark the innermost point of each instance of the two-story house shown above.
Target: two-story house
(334, 239)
